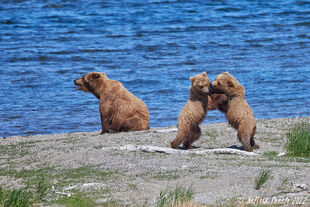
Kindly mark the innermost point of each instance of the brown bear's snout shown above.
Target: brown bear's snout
(205, 90)
(211, 87)
(78, 83)
(213, 84)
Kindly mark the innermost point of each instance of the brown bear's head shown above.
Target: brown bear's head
(200, 83)
(226, 83)
(90, 82)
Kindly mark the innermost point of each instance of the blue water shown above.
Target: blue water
(152, 47)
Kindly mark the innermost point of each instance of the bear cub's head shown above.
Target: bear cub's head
(90, 82)
(227, 84)
(200, 83)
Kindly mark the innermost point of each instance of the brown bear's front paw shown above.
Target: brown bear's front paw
(255, 146)
(173, 145)
(248, 149)
(186, 145)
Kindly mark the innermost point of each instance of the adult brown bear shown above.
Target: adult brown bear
(119, 109)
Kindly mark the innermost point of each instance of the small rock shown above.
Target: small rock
(299, 187)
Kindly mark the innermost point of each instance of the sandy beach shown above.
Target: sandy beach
(120, 167)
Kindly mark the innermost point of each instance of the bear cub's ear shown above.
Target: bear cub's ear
(96, 75)
(204, 74)
(192, 79)
(230, 83)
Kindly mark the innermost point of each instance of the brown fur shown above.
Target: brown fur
(218, 101)
(119, 109)
(193, 113)
(238, 112)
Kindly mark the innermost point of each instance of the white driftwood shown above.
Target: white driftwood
(147, 148)
(281, 154)
(60, 193)
(84, 185)
(166, 130)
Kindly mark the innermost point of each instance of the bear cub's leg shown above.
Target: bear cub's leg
(252, 142)
(244, 136)
(195, 134)
(181, 137)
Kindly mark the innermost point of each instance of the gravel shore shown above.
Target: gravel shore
(95, 165)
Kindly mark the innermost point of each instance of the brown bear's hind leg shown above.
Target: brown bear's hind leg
(181, 137)
(195, 134)
(132, 124)
(252, 142)
(244, 136)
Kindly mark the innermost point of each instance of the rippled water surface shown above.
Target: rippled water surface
(152, 47)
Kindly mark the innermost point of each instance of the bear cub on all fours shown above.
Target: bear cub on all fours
(238, 112)
(193, 113)
(119, 109)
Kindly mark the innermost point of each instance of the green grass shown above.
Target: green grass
(77, 201)
(176, 197)
(33, 176)
(299, 140)
(42, 189)
(206, 177)
(270, 154)
(2, 196)
(29, 177)
(24, 197)
(169, 175)
(84, 172)
(21, 197)
(262, 178)
(211, 133)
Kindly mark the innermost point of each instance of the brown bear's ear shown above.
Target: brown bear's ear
(192, 79)
(230, 83)
(96, 75)
(226, 73)
(204, 74)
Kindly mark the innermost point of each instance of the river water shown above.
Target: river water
(152, 47)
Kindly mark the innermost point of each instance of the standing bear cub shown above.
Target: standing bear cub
(119, 109)
(193, 113)
(238, 112)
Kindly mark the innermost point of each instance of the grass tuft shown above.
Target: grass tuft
(41, 189)
(19, 198)
(299, 140)
(178, 197)
(1, 196)
(262, 178)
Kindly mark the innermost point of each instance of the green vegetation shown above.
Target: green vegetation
(270, 154)
(41, 189)
(25, 196)
(21, 197)
(262, 178)
(82, 174)
(169, 175)
(178, 196)
(211, 133)
(299, 140)
(38, 190)
(76, 201)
